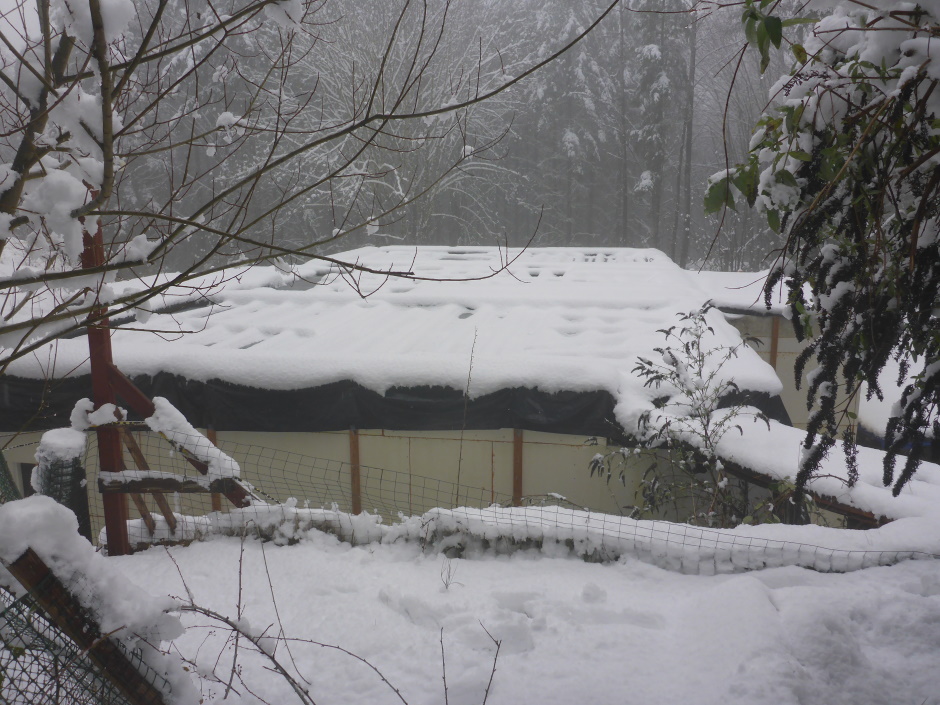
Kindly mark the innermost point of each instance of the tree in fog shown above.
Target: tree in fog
(189, 136)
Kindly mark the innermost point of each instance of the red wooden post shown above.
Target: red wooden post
(355, 477)
(110, 450)
(216, 497)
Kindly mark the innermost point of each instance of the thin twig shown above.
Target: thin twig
(444, 668)
(498, 643)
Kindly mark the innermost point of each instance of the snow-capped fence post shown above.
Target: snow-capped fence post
(60, 475)
(64, 610)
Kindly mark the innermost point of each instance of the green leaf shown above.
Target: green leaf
(786, 178)
(750, 30)
(773, 220)
(793, 21)
(802, 156)
(799, 53)
(763, 39)
(774, 30)
(745, 181)
(718, 196)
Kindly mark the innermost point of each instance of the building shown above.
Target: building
(503, 370)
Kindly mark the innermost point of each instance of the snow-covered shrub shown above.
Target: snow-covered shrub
(699, 405)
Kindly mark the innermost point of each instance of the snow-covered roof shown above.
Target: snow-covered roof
(476, 318)
(874, 413)
(555, 319)
(742, 291)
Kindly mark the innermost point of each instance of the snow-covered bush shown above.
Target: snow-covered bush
(698, 406)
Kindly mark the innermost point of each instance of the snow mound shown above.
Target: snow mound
(590, 535)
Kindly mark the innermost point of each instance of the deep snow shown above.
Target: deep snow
(572, 632)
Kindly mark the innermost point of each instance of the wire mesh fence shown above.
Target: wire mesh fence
(8, 489)
(39, 664)
(277, 475)
(454, 516)
(600, 537)
(303, 492)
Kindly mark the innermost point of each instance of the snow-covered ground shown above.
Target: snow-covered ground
(571, 632)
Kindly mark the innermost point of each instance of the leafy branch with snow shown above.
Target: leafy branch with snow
(845, 164)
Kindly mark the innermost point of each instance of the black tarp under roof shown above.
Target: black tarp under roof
(29, 404)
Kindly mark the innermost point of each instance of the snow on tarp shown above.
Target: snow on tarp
(121, 609)
(572, 319)
(591, 535)
(775, 452)
(742, 291)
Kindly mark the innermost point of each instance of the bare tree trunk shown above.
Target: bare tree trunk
(688, 126)
(625, 238)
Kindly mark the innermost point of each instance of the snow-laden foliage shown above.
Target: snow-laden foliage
(846, 166)
(697, 403)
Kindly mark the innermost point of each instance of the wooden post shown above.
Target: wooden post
(110, 451)
(516, 467)
(216, 497)
(774, 341)
(142, 464)
(65, 611)
(354, 473)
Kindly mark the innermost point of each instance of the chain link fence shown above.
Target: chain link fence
(39, 664)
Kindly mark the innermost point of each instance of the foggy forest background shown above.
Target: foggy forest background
(612, 144)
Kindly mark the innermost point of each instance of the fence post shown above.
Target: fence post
(774, 341)
(110, 450)
(516, 467)
(216, 498)
(354, 473)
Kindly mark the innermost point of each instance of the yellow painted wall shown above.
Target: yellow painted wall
(410, 472)
(788, 348)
